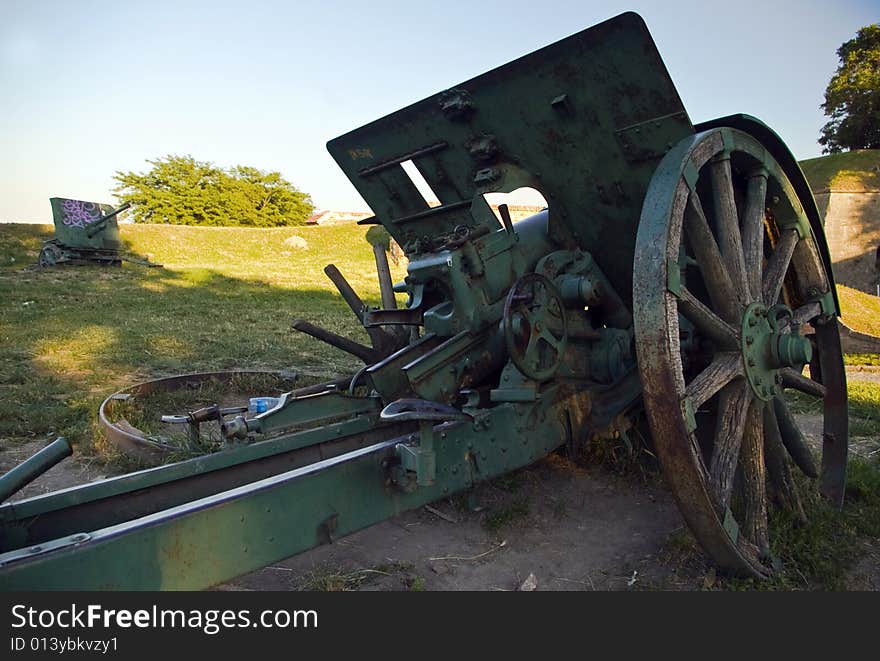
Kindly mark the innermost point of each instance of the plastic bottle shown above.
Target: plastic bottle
(262, 404)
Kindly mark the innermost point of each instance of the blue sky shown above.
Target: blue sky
(92, 86)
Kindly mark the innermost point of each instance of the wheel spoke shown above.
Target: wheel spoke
(733, 404)
(532, 346)
(793, 439)
(706, 321)
(755, 478)
(729, 241)
(793, 379)
(778, 468)
(753, 230)
(722, 370)
(548, 337)
(805, 313)
(777, 266)
(708, 256)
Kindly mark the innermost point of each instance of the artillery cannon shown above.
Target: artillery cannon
(679, 270)
(85, 232)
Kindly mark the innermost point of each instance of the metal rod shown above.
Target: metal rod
(31, 468)
(506, 220)
(384, 272)
(350, 295)
(363, 352)
(382, 342)
(424, 151)
(102, 222)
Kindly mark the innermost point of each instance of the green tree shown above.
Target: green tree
(852, 98)
(183, 191)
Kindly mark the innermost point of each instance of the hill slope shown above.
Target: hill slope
(849, 171)
(224, 299)
(860, 311)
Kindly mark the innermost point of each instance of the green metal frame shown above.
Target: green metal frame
(202, 542)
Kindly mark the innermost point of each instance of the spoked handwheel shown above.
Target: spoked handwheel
(534, 326)
(727, 273)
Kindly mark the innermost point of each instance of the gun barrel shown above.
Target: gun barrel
(102, 222)
(31, 468)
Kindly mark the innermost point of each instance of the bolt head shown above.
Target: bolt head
(751, 362)
(749, 339)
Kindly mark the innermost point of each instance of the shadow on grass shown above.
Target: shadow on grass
(71, 336)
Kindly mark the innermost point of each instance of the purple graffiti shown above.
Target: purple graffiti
(80, 214)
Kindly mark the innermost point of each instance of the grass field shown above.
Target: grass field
(849, 171)
(860, 311)
(224, 299)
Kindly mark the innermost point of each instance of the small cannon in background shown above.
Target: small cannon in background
(85, 233)
(678, 283)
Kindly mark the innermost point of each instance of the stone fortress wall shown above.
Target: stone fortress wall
(852, 227)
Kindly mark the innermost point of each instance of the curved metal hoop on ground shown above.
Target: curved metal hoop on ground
(135, 442)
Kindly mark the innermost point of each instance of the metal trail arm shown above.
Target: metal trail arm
(217, 537)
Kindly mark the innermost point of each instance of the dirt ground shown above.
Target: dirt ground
(869, 373)
(573, 528)
(568, 527)
(555, 525)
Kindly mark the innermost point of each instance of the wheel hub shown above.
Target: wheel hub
(766, 349)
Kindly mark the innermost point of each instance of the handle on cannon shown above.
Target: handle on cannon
(101, 223)
(31, 468)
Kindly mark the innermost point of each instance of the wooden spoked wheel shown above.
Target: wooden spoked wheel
(731, 300)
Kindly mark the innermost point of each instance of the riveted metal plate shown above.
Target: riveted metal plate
(653, 138)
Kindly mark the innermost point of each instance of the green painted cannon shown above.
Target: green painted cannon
(85, 233)
(677, 282)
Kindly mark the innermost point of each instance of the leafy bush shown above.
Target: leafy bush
(180, 190)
